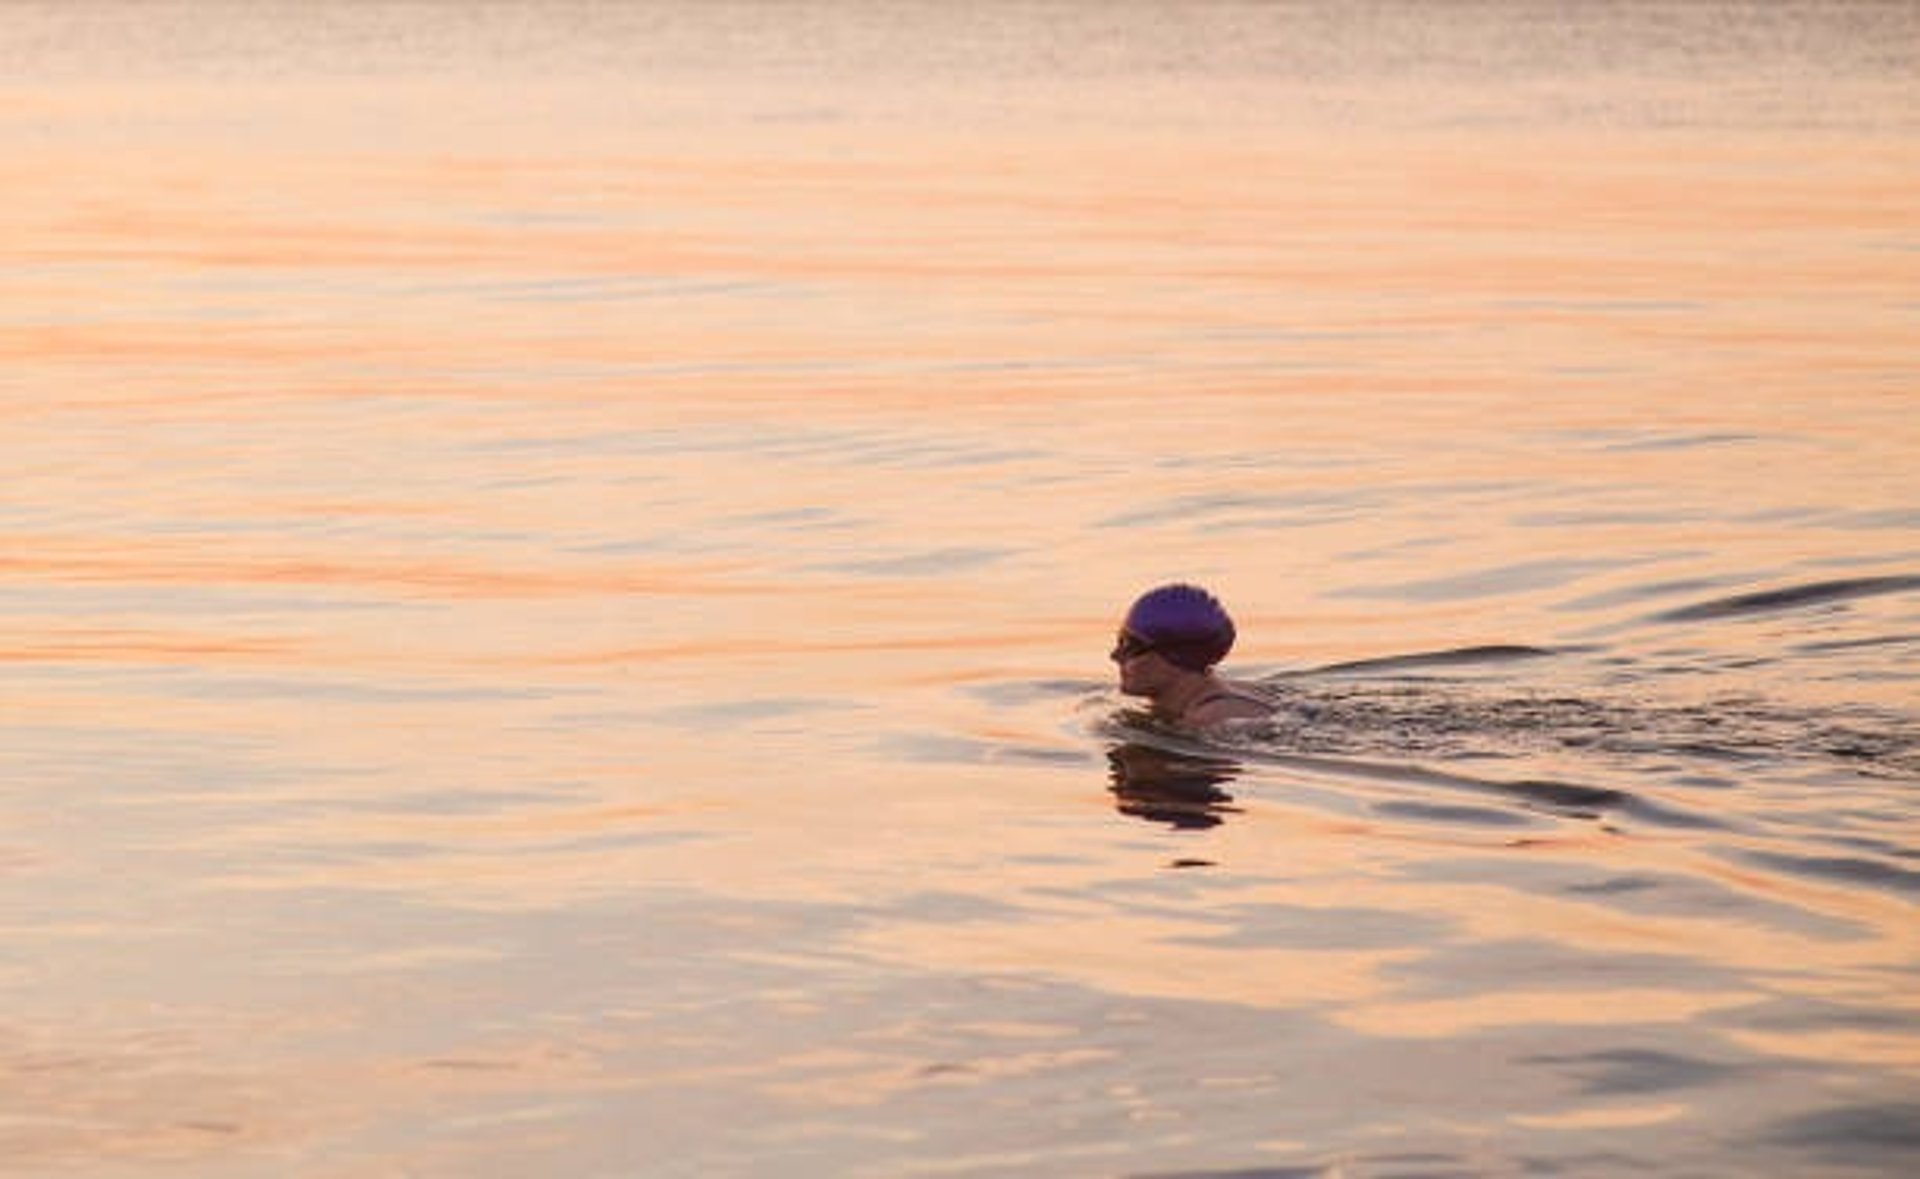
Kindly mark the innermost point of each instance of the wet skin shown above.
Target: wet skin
(1195, 699)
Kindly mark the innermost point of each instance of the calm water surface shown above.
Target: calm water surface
(558, 558)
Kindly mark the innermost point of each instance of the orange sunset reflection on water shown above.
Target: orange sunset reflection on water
(558, 563)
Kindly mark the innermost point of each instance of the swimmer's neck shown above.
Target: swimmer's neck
(1180, 696)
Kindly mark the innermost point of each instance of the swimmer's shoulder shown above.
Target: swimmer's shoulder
(1230, 702)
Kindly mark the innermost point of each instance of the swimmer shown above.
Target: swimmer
(1167, 648)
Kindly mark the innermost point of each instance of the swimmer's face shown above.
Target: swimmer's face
(1143, 671)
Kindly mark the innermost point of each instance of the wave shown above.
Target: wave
(1790, 598)
(1495, 653)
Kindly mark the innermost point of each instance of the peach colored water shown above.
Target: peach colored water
(558, 560)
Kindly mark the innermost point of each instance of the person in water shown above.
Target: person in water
(1166, 651)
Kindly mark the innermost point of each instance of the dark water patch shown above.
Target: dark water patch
(1790, 598)
(1041, 755)
(1615, 886)
(1570, 800)
(1476, 816)
(1424, 1164)
(1872, 845)
(1701, 750)
(1826, 645)
(1813, 1017)
(1640, 593)
(1391, 1168)
(1593, 1162)
(1851, 870)
(1883, 1137)
(1664, 815)
(1704, 781)
(1890, 519)
(1796, 514)
(1566, 796)
(1618, 1071)
(1679, 442)
(1500, 653)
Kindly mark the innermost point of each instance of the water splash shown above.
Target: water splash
(1402, 718)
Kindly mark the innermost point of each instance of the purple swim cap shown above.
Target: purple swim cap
(1187, 625)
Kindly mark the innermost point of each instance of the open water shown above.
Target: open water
(556, 562)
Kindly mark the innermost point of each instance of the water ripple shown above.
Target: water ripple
(1791, 598)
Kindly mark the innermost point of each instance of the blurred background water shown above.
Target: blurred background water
(558, 559)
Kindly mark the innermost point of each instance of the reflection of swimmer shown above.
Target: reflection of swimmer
(1166, 650)
(1173, 788)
